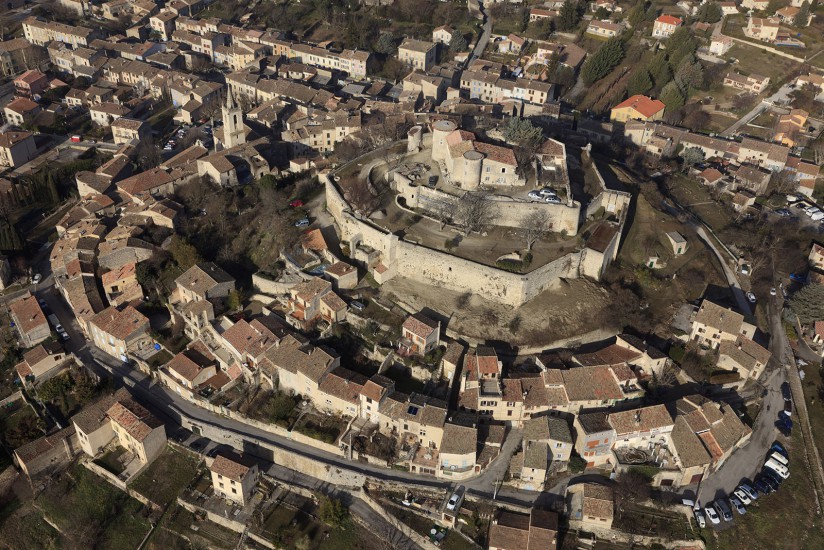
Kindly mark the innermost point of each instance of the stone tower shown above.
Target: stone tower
(233, 131)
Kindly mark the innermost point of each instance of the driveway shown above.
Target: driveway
(778, 97)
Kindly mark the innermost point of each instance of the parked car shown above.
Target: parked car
(297, 203)
(817, 216)
(783, 212)
(738, 506)
(742, 496)
(785, 424)
(712, 515)
(548, 192)
(356, 305)
(58, 328)
(433, 181)
(65, 336)
(778, 457)
(456, 498)
(779, 448)
(751, 297)
(788, 408)
(749, 491)
(535, 195)
(771, 478)
(723, 509)
(699, 518)
(43, 304)
(778, 468)
(772, 291)
(745, 269)
(553, 200)
(763, 487)
(785, 391)
(303, 222)
(37, 278)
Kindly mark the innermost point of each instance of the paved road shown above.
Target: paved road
(778, 97)
(483, 40)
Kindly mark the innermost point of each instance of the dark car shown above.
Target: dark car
(762, 487)
(785, 391)
(771, 478)
(784, 424)
(788, 408)
(433, 181)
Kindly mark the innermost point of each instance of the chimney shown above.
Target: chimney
(637, 417)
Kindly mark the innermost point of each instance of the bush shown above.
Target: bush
(576, 463)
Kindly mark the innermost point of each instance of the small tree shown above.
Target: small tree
(235, 300)
(569, 17)
(691, 156)
(522, 132)
(672, 97)
(709, 12)
(535, 226)
(458, 43)
(475, 211)
(333, 512)
(802, 18)
(599, 64)
(386, 44)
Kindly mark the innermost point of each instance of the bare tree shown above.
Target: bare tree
(148, 154)
(360, 195)
(535, 226)
(475, 211)
(443, 211)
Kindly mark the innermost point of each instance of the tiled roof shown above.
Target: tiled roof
(133, 418)
(43, 445)
(459, 440)
(27, 313)
(595, 422)
(544, 428)
(93, 415)
(591, 384)
(203, 277)
(120, 324)
(535, 455)
(640, 420)
(376, 387)
(610, 355)
(229, 468)
(344, 384)
(295, 356)
(644, 105)
(721, 318)
(420, 325)
(598, 501)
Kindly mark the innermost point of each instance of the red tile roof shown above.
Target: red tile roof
(644, 105)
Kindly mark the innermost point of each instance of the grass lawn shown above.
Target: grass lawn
(25, 529)
(754, 60)
(786, 519)
(285, 525)
(454, 541)
(82, 504)
(323, 428)
(697, 198)
(172, 471)
(176, 529)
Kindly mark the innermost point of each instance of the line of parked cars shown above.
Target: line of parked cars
(775, 470)
(809, 208)
(545, 194)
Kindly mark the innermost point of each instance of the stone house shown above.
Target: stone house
(419, 334)
(16, 148)
(515, 531)
(127, 130)
(137, 430)
(42, 362)
(29, 321)
(120, 331)
(713, 324)
(743, 356)
(591, 504)
(234, 478)
(204, 282)
(594, 439)
(419, 54)
(339, 392)
(458, 453)
(665, 25)
(296, 366)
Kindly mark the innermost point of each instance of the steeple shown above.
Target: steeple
(233, 131)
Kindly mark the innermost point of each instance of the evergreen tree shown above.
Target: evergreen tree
(690, 75)
(386, 44)
(659, 70)
(569, 17)
(636, 14)
(681, 44)
(639, 82)
(599, 64)
(458, 43)
(672, 97)
(803, 16)
(709, 12)
(808, 304)
(51, 187)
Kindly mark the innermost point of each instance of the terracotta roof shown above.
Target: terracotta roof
(333, 301)
(203, 277)
(133, 418)
(496, 153)
(311, 289)
(339, 269)
(510, 532)
(123, 272)
(376, 387)
(252, 339)
(640, 420)
(598, 501)
(344, 384)
(420, 325)
(459, 440)
(644, 105)
(94, 415)
(610, 355)
(482, 360)
(296, 356)
(43, 445)
(718, 317)
(591, 384)
(669, 20)
(120, 324)
(544, 428)
(313, 240)
(229, 468)
(27, 313)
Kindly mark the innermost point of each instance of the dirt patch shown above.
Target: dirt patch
(562, 312)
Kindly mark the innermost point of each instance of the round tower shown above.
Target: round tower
(414, 138)
(440, 130)
(473, 161)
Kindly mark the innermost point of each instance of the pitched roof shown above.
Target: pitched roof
(669, 20)
(203, 277)
(591, 384)
(459, 439)
(546, 428)
(120, 324)
(420, 325)
(344, 384)
(640, 420)
(644, 105)
(27, 313)
(229, 468)
(133, 418)
(721, 318)
(598, 501)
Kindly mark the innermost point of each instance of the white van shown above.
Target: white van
(816, 216)
(778, 468)
(778, 457)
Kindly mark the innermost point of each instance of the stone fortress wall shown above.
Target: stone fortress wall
(438, 268)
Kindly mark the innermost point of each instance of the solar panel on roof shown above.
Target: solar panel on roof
(413, 410)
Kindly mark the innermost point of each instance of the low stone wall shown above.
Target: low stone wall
(113, 480)
(510, 211)
(420, 540)
(270, 287)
